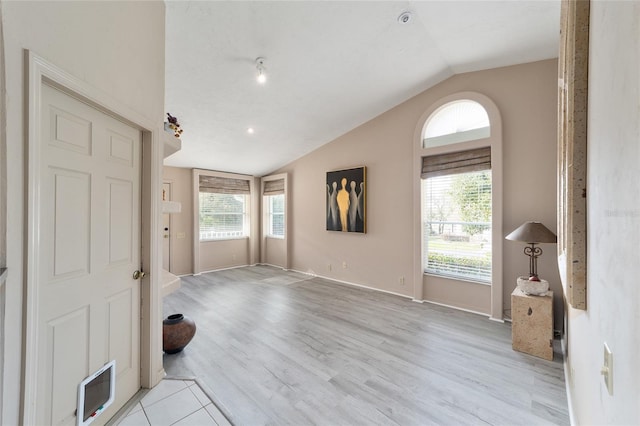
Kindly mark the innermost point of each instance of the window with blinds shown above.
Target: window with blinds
(456, 196)
(223, 211)
(274, 201)
(276, 216)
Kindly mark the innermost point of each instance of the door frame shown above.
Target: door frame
(170, 183)
(40, 72)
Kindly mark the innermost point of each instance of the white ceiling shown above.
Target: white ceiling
(331, 66)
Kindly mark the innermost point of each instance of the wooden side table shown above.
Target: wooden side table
(532, 324)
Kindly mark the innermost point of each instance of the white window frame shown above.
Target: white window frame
(494, 141)
(266, 238)
(245, 220)
(270, 215)
(452, 275)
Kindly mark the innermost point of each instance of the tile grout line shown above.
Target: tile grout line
(188, 386)
(179, 420)
(168, 396)
(204, 406)
(145, 415)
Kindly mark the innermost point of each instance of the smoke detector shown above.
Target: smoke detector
(405, 17)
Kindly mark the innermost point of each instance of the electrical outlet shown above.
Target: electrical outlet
(607, 369)
(344, 265)
(329, 267)
(401, 280)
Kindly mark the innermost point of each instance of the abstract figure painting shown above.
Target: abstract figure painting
(346, 200)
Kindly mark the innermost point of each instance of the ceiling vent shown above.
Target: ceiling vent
(405, 18)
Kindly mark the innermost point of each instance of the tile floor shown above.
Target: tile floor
(175, 402)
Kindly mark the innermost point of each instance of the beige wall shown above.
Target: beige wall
(526, 97)
(3, 206)
(212, 255)
(118, 48)
(469, 296)
(275, 252)
(181, 223)
(224, 254)
(3, 161)
(613, 214)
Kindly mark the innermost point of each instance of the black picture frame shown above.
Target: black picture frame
(346, 209)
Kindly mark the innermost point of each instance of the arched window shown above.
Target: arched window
(456, 194)
(458, 158)
(458, 121)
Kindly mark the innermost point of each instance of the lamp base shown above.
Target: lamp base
(535, 288)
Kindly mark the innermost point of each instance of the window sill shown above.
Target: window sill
(224, 239)
(275, 237)
(453, 278)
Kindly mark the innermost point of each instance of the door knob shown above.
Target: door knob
(138, 275)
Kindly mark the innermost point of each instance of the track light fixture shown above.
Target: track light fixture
(261, 77)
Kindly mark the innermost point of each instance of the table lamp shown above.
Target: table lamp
(533, 233)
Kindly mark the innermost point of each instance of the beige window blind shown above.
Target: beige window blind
(223, 185)
(274, 187)
(472, 160)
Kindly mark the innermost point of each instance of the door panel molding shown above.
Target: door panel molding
(40, 72)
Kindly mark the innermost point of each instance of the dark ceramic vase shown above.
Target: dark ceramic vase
(177, 332)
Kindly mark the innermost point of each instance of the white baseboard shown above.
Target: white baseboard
(458, 308)
(567, 384)
(312, 274)
(215, 270)
(269, 264)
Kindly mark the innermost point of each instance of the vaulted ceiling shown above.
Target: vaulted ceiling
(331, 66)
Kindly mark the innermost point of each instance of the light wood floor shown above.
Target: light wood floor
(277, 347)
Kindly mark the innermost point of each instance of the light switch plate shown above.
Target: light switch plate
(607, 369)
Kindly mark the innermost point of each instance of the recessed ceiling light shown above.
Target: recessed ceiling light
(262, 76)
(250, 130)
(405, 17)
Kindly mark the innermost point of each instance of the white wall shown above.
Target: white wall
(613, 215)
(118, 48)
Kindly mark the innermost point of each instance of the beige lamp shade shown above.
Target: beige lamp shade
(532, 232)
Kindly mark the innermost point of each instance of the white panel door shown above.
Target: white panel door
(89, 247)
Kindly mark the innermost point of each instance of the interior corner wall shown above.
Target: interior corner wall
(213, 254)
(613, 224)
(526, 96)
(115, 47)
(3, 159)
(275, 252)
(3, 208)
(181, 232)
